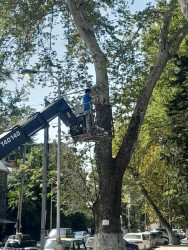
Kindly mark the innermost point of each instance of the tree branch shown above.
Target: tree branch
(178, 38)
(78, 11)
(131, 136)
(163, 41)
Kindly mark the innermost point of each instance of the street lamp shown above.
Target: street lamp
(27, 72)
(57, 245)
(44, 185)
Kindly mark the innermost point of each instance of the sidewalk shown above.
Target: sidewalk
(183, 246)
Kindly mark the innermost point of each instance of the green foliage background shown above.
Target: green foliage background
(29, 36)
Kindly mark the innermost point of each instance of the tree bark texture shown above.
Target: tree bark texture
(107, 209)
(184, 7)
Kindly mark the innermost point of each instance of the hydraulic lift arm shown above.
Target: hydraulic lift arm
(82, 126)
(19, 134)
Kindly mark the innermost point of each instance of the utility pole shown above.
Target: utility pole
(129, 205)
(51, 207)
(58, 245)
(44, 185)
(19, 214)
(169, 216)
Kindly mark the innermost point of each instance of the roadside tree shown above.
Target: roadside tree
(111, 170)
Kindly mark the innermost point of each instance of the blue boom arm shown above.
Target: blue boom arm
(21, 133)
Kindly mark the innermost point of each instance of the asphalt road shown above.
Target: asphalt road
(183, 246)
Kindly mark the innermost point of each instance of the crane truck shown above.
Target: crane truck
(82, 126)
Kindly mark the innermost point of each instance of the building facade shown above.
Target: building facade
(3, 196)
(3, 189)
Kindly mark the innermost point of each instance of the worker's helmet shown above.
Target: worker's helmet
(87, 90)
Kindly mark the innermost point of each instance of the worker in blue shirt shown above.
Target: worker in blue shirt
(87, 100)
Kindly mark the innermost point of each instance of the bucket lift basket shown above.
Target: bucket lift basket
(87, 129)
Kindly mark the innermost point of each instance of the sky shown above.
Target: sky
(37, 95)
(140, 4)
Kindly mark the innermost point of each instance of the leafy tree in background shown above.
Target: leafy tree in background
(72, 207)
(146, 162)
(177, 111)
(157, 163)
(135, 202)
(12, 107)
(146, 170)
(31, 205)
(176, 144)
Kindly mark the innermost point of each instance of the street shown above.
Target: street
(183, 246)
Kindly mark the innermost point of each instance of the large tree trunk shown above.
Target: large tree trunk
(107, 209)
(184, 7)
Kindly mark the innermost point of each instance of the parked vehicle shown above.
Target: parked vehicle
(31, 248)
(179, 233)
(11, 244)
(163, 234)
(20, 241)
(160, 240)
(11, 237)
(64, 233)
(139, 239)
(160, 229)
(151, 238)
(26, 241)
(67, 244)
(81, 235)
(89, 243)
(130, 246)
